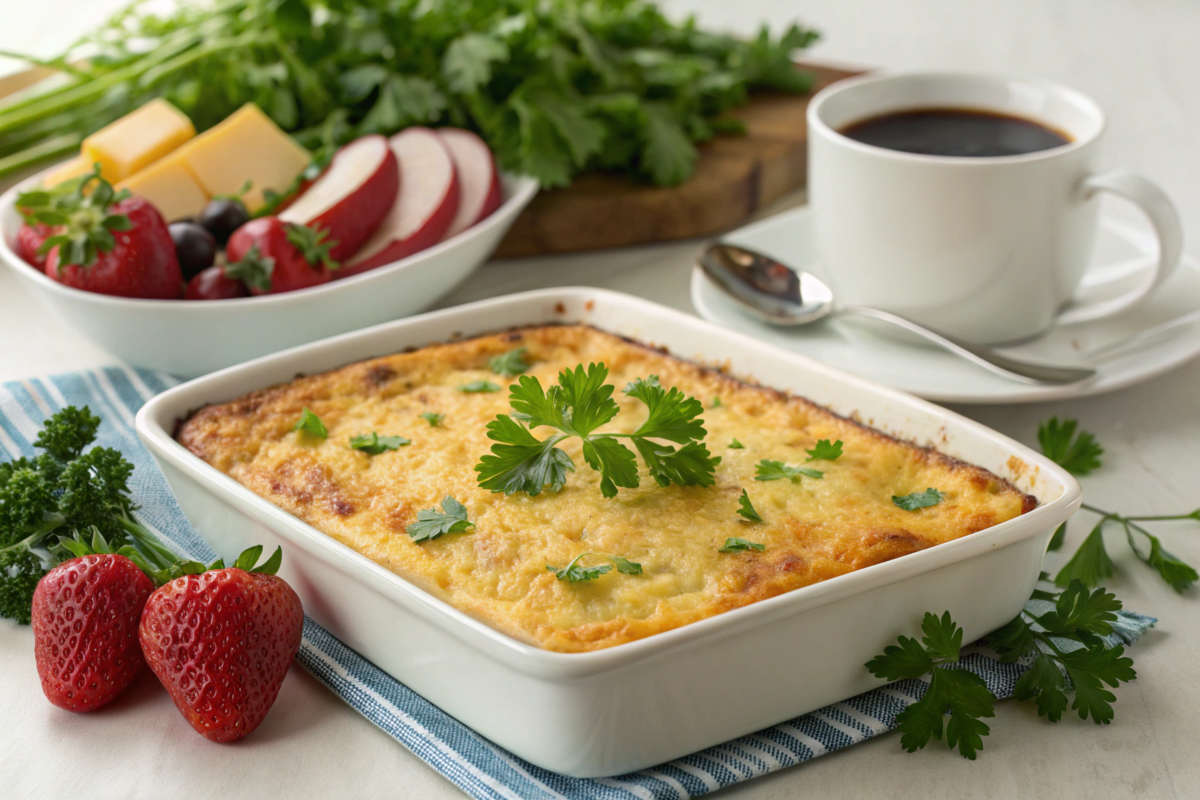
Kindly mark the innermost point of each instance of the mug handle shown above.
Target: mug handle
(1163, 217)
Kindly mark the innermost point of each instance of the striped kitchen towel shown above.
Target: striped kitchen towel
(476, 765)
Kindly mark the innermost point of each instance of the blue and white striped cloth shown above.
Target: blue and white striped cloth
(476, 765)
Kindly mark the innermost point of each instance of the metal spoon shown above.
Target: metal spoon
(780, 295)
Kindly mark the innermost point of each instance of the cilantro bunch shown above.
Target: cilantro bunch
(575, 407)
(553, 86)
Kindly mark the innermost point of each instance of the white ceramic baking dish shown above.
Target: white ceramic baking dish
(646, 702)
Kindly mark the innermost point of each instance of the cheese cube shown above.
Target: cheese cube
(169, 185)
(137, 139)
(246, 146)
(67, 170)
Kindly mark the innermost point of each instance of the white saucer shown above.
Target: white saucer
(1123, 250)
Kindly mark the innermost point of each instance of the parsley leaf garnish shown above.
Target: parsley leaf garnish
(1066, 640)
(746, 509)
(736, 544)
(1079, 455)
(912, 502)
(576, 406)
(510, 364)
(373, 444)
(736, 445)
(963, 694)
(716, 402)
(575, 571)
(777, 471)
(432, 523)
(824, 451)
(311, 424)
(479, 387)
(433, 418)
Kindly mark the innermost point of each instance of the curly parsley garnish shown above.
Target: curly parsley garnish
(824, 451)
(736, 544)
(1076, 454)
(746, 509)
(778, 471)
(575, 571)
(432, 523)
(510, 364)
(961, 693)
(926, 499)
(1080, 454)
(575, 407)
(479, 387)
(373, 444)
(311, 424)
(433, 418)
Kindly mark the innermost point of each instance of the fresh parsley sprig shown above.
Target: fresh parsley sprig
(575, 572)
(736, 544)
(510, 364)
(576, 407)
(777, 471)
(917, 500)
(956, 691)
(311, 424)
(432, 524)
(1079, 453)
(479, 387)
(1067, 653)
(433, 418)
(825, 451)
(746, 509)
(373, 444)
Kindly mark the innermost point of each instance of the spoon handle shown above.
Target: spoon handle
(985, 357)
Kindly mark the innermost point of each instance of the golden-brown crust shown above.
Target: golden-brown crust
(815, 530)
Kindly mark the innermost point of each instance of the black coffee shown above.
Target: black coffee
(955, 132)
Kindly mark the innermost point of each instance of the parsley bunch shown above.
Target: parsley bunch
(67, 489)
(1079, 453)
(1062, 647)
(576, 407)
(554, 87)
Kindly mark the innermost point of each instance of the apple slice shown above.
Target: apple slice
(424, 209)
(478, 179)
(351, 197)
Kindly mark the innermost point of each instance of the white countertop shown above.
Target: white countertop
(1141, 61)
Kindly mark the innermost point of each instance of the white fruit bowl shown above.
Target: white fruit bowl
(195, 337)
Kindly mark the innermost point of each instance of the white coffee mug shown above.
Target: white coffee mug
(990, 249)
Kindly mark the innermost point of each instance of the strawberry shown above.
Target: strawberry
(213, 284)
(105, 241)
(30, 237)
(85, 629)
(272, 256)
(221, 642)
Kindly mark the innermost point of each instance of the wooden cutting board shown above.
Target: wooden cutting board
(735, 175)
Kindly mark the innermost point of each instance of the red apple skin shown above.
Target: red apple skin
(355, 217)
(466, 148)
(429, 232)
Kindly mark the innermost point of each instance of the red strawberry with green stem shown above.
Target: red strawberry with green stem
(85, 625)
(221, 641)
(104, 241)
(272, 256)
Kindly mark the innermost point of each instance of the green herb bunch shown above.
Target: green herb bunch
(553, 86)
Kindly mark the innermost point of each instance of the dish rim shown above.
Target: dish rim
(518, 191)
(529, 658)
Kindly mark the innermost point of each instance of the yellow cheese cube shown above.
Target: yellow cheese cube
(137, 139)
(246, 146)
(169, 185)
(67, 170)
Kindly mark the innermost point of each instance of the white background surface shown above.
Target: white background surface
(1140, 59)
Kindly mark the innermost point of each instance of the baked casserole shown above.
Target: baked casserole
(821, 519)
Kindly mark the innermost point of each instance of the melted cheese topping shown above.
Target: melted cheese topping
(813, 530)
